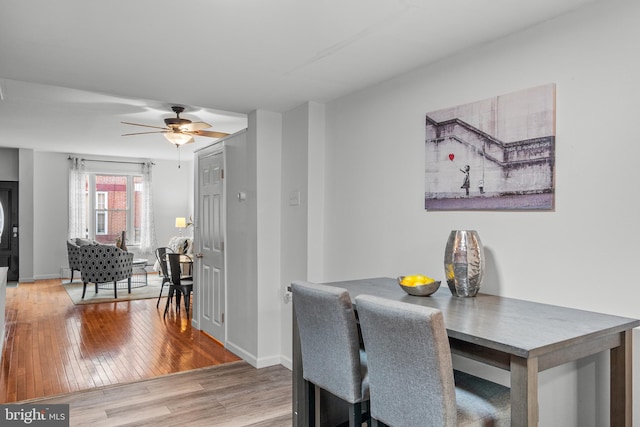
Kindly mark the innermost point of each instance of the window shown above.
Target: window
(102, 224)
(114, 203)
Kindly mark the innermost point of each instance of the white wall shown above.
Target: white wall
(294, 205)
(580, 255)
(253, 165)
(172, 197)
(269, 194)
(8, 164)
(50, 213)
(241, 246)
(302, 224)
(26, 216)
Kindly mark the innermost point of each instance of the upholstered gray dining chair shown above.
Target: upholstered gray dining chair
(330, 346)
(411, 373)
(104, 264)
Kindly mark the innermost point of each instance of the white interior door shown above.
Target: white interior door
(210, 235)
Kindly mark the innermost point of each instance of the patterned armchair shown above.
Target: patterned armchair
(103, 264)
(73, 252)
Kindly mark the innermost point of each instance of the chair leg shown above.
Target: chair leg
(84, 288)
(115, 289)
(187, 297)
(96, 288)
(355, 414)
(178, 298)
(161, 289)
(129, 284)
(71, 275)
(169, 297)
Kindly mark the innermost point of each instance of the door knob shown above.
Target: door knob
(199, 255)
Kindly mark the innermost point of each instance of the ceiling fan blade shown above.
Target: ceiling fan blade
(210, 134)
(144, 133)
(146, 126)
(194, 126)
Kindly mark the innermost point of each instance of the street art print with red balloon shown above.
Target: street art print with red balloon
(494, 154)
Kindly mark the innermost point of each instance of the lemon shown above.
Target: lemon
(408, 281)
(421, 279)
(416, 280)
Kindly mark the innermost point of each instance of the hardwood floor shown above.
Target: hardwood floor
(53, 346)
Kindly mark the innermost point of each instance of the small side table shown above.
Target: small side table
(138, 279)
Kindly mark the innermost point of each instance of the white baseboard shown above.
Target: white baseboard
(286, 362)
(45, 277)
(259, 363)
(240, 352)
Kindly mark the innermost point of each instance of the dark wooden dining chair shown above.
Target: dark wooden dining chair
(164, 268)
(411, 376)
(179, 286)
(330, 346)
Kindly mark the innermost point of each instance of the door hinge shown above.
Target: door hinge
(221, 173)
(222, 317)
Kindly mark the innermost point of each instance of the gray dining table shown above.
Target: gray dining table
(519, 336)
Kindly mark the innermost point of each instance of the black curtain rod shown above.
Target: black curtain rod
(111, 161)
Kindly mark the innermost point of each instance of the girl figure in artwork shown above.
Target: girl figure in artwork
(466, 183)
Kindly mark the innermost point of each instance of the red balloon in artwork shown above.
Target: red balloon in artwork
(451, 156)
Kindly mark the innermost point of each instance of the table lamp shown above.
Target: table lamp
(181, 223)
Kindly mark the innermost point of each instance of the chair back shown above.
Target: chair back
(174, 267)
(329, 340)
(105, 263)
(162, 259)
(73, 251)
(410, 370)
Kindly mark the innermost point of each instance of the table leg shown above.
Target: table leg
(621, 390)
(524, 391)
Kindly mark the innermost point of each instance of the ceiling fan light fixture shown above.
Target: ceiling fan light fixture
(178, 138)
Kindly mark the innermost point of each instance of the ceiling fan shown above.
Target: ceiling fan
(179, 131)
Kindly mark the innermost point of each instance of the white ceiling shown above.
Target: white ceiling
(72, 70)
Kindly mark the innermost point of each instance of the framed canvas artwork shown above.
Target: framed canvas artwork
(497, 153)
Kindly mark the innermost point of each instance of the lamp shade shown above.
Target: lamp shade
(178, 138)
(181, 222)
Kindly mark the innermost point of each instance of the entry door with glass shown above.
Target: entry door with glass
(9, 228)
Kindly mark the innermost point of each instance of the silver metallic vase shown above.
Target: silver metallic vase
(464, 262)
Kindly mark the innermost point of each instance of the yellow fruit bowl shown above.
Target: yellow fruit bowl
(419, 290)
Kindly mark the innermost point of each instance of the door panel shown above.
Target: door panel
(9, 228)
(210, 242)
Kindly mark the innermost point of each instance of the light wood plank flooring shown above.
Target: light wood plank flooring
(53, 346)
(229, 395)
